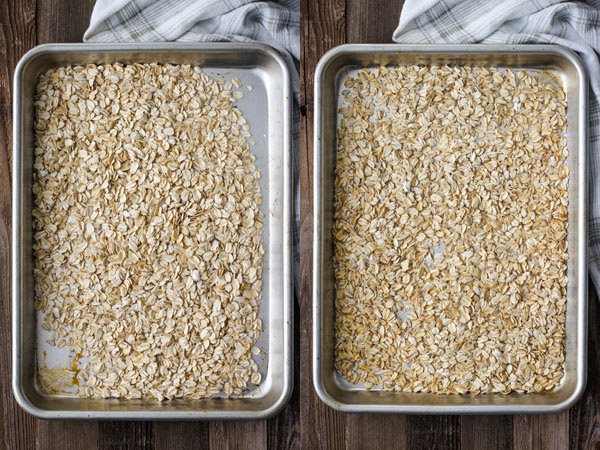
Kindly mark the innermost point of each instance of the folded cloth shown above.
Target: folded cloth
(575, 25)
(276, 23)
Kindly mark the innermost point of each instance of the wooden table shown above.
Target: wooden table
(305, 423)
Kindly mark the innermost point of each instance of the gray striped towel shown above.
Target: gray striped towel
(276, 23)
(575, 25)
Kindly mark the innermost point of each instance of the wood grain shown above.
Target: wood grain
(371, 22)
(323, 27)
(376, 432)
(542, 432)
(242, 435)
(66, 435)
(17, 35)
(433, 432)
(62, 21)
(486, 432)
(115, 435)
(180, 436)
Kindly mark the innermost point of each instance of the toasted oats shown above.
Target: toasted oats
(450, 231)
(147, 244)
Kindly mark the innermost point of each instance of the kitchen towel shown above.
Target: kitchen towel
(575, 25)
(276, 23)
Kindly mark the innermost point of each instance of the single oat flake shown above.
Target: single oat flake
(450, 230)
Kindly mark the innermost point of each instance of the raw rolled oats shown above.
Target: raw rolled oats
(147, 245)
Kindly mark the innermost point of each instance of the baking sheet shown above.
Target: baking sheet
(553, 64)
(267, 109)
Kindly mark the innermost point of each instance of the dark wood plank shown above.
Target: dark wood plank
(433, 432)
(584, 417)
(180, 436)
(372, 21)
(283, 430)
(486, 432)
(543, 432)
(376, 432)
(17, 35)
(16, 427)
(63, 21)
(323, 27)
(66, 435)
(125, 436)
(242, 435)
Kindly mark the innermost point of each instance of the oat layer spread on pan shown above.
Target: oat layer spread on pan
(451, 230)
(147, 245)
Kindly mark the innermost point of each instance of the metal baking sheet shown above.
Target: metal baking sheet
(267, 108)
(553, 64)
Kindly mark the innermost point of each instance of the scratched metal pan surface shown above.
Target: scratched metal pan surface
(334, 67)
(267, 109)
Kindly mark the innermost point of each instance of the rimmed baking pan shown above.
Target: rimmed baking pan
(267, 109)
(331, 72)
